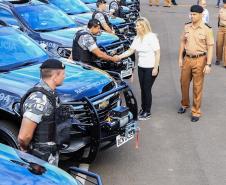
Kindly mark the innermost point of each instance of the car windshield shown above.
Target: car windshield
(44, 17)
(18, 50)
(71, 7)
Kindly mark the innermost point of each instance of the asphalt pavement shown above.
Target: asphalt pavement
(172, 149)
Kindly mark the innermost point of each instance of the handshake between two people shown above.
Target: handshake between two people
(116, 58)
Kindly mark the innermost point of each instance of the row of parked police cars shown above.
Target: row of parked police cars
(101, 101)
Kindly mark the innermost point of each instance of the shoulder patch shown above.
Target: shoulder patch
(208, 25)
(188, 22)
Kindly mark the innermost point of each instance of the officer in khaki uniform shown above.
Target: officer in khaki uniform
(197, 48)
(221, 36)
(156, 2)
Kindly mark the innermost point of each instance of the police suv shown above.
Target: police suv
(105, 117)
(48, 25)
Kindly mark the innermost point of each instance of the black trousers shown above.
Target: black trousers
(146, 82)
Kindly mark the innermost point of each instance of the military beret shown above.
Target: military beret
(52, 64)
(224, 1)
(196, 8)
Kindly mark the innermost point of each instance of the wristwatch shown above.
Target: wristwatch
(208, 65)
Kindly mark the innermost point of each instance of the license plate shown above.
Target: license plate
(120, 140)
(126, 73)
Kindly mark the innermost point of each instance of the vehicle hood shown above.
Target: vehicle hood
(106, 38)
(92, 6)
(85, 17)
(129, 2)
(15, 165)
(116, 21)
(125, 9)
(80, 81)
(82, 18)
(64, 36)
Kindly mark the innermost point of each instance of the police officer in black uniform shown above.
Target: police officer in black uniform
(43, 116)
(84, 46)
(101, 16)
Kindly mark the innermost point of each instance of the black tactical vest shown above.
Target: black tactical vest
(78, 53)
(53, 128)
(105, 17)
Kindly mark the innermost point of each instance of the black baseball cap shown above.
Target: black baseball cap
(52, 64)
(196, 8)
(224, 1)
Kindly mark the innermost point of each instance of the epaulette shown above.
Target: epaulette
(188, 22)
(208, 25)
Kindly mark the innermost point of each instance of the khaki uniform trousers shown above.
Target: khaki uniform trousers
(221, 44)
(167, 2)
(156, 2)
(192, 69)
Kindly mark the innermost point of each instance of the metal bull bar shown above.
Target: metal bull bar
(95, 134)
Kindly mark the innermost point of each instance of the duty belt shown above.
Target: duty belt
(196, 56)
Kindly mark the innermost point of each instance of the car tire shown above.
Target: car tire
(8, 133)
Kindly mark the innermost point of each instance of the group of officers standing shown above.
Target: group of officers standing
(41, 110)
(195, 53)
(39, 106)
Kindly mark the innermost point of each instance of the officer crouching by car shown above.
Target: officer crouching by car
(45, 126)
(85, 48)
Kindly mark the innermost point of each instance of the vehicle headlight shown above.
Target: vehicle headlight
(64, 52)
